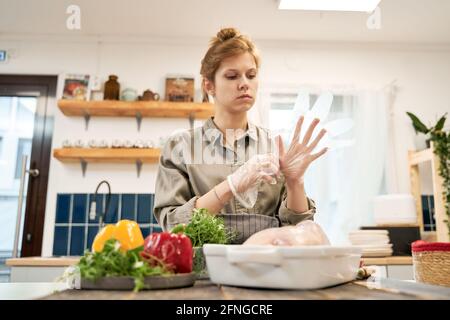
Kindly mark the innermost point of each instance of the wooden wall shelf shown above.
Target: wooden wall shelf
(415, 158)
(108, 155)
(111, 155)
(137, 109)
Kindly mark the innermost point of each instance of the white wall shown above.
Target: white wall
(422, 75)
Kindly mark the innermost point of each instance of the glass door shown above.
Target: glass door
(24, 157)
(16, 134)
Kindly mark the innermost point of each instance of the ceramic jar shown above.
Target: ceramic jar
(112, 88)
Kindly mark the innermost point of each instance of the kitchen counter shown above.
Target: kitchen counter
(68, 261)
(376, 289)
(42, 261)
(400, 267)
(39, 269)
(381, 261)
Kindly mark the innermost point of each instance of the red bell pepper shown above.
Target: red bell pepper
(174, 250)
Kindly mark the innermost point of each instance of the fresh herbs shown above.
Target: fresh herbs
(112, 262)
(205, 228)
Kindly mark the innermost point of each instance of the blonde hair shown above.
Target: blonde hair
(227, 43)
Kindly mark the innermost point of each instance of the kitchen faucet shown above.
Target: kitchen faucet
(93, 208)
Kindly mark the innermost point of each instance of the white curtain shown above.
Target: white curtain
(345, 180)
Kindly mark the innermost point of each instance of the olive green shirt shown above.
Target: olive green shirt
(193, 161)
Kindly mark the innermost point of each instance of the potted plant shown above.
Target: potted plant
(432, 260)
(204, 228)
(419, 127)
(441, 147)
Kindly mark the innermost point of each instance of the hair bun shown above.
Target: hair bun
(227, 33)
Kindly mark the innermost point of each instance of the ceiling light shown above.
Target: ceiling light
(329, 5)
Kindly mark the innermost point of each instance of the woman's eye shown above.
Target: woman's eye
(231, 77)
(251, 76)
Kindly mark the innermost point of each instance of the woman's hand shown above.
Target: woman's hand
(244, 182)
(261, 167)
(295, 161)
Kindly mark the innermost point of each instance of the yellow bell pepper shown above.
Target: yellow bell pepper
(105, 234)
(127, 232)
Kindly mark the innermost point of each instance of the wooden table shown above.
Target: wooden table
(376, 289)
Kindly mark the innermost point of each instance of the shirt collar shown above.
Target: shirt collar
(213, 133)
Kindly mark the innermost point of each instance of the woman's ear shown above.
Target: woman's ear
(208, 87)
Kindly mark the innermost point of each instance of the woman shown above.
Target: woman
(230, 166)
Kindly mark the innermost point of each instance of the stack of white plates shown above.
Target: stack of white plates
(375, 243)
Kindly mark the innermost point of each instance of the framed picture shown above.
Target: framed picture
(76, 87)
(179, 89)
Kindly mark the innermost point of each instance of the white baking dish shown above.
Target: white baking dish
(262, 266)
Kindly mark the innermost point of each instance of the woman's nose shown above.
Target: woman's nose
(243, 85)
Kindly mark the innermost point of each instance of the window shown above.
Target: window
(23, 148)
(5, 112)
(26, 109)
(282, 113)
(344, 181)
(282, 108)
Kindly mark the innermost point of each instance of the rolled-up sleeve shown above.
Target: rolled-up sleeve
(174, 198)
(291, 217)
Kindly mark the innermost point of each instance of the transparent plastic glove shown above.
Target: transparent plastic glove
(295, 161)
(245, 180)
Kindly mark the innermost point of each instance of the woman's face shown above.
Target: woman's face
(236, 83)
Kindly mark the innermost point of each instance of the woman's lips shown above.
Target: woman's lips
(245, 97)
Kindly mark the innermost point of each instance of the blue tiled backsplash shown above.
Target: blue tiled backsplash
(429, 223)
(74, 231)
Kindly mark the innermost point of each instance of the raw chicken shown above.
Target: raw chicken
(305, 233)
